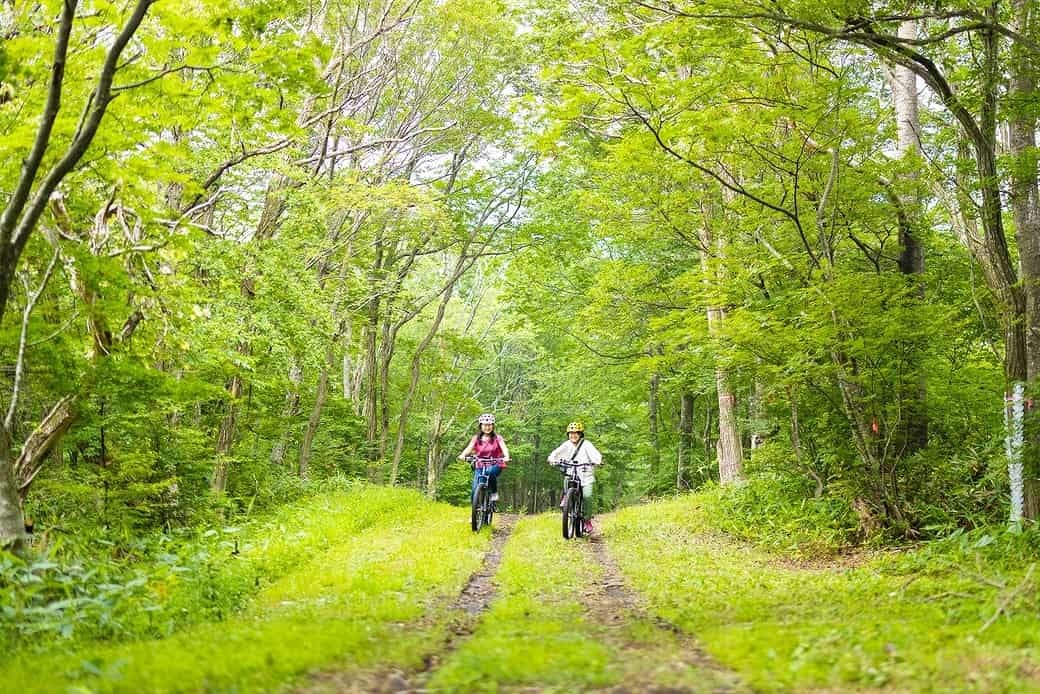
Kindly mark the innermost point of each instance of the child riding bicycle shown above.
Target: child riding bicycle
(487, 444)
(579, 450)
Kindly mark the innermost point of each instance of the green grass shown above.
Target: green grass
(92, 588)
(538, 633)
(358, 580)
(372, 593)
(899, 622)
(534, 633)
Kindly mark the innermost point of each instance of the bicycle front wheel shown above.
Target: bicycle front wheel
(477, 515)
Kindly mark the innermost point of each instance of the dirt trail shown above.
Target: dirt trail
(655, 655)
(471, 603)
(652, 655)
(480, 591)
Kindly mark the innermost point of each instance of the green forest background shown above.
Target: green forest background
(786, 253)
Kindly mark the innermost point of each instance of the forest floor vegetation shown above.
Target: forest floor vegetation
(367, 585)
(363, 588)
(956, 615)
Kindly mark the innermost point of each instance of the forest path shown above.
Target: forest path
(655, 656)
(558, 617)
(465, 613)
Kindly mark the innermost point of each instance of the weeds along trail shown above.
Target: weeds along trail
(942, 617)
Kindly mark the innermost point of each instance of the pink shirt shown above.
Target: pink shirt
(483, 448)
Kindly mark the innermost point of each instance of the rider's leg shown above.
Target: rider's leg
(492, 473)
(473, 487)
(586, 492)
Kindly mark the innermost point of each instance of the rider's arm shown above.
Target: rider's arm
(505, 449)
(592, 454)
(469, 448)
(557, 454)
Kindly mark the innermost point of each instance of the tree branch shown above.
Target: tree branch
(31, 164)
(19, 369)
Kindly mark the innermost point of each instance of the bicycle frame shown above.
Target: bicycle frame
(574, 500)
(483, 508)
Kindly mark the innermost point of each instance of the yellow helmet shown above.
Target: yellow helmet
(575, 426)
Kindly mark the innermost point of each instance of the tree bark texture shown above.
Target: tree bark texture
(42, 441)
(728, 449)
(226, 435)
(903, 83)
(32, 193)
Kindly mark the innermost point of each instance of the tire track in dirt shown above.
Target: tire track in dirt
(665, 660)
(472, 602)
(474, 599)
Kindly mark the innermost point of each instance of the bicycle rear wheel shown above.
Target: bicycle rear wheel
(476, 520)
(489, 510)
(579, 514)
(568, 503)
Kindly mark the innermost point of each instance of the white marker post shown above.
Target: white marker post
(1014, 413)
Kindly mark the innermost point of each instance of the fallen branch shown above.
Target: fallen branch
(1002, 608)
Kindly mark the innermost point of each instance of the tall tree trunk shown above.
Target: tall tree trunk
(413, 383)
(433, 453)
(292, 408)
(686, 402)
(728, 450)
(757, 411)
(1025, 205)
(306, 445)
(655, 443)
(386, 358)
(12, 522)
(29, 197)
(371, 365)
(226, 435)
(903, 83)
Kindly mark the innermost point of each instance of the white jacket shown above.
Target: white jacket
(587, 454)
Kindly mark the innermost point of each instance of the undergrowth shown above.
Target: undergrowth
(766, 512)
(99, 589)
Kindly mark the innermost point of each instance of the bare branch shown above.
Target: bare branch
(375, 143)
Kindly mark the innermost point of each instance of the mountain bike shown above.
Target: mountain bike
(483, 507)
(573, 504)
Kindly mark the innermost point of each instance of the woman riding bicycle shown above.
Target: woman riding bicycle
(577, 449)
(487, 444)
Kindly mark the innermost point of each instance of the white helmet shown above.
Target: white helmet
(486, 418)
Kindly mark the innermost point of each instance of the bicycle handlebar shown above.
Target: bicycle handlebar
(569, 463)
(483, 462)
